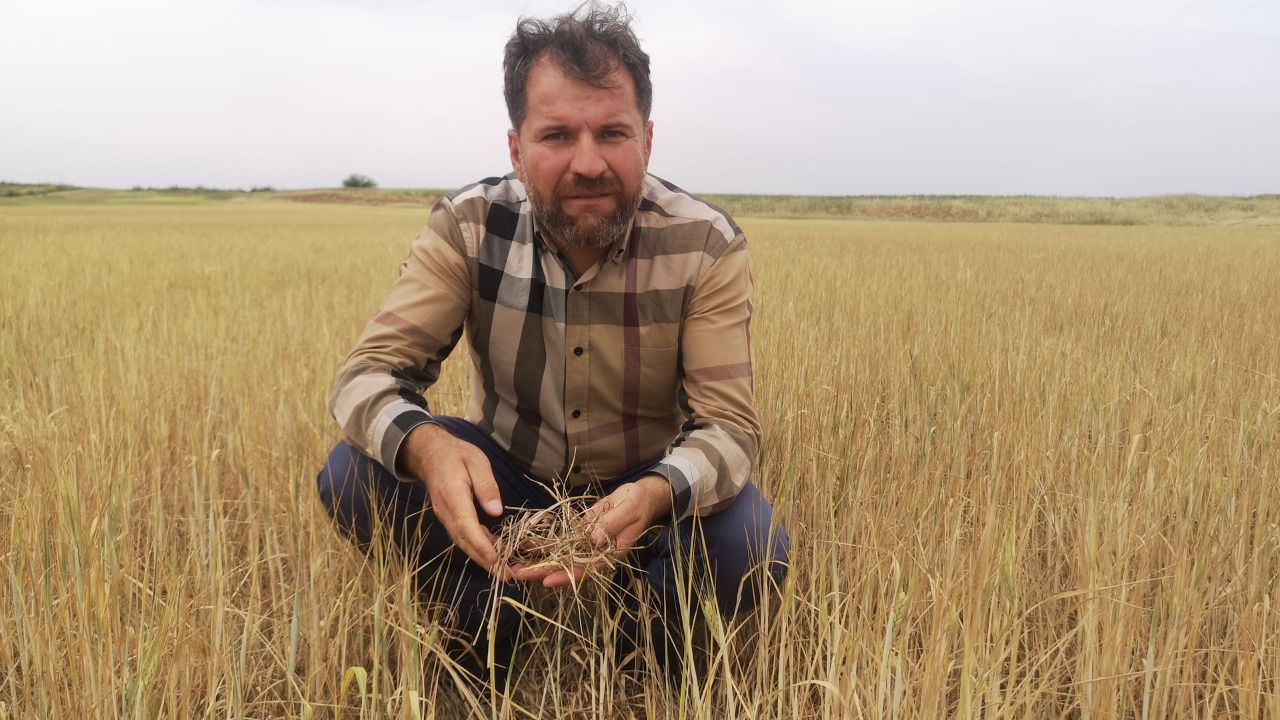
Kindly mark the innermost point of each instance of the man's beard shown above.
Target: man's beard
(586, 230)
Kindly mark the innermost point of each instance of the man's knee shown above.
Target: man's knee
(351, 485)
(342, 485)
(747, 552)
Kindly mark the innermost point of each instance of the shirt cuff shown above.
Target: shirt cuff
(683, 477)
(393, 439)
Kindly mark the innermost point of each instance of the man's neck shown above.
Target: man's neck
(581, 259)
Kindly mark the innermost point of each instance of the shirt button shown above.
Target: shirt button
(577, 414)
(577, 469)
(578, 351)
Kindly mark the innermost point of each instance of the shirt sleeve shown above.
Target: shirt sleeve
(377, 398)
(711, 459)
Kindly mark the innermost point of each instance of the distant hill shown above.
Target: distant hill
(30, 189)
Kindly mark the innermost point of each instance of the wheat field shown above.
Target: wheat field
(1029, 470)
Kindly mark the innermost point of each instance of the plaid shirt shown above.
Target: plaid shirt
(646, 356)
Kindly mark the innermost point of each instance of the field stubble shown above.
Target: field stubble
(1029, 471)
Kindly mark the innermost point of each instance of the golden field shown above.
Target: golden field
(1029, 470)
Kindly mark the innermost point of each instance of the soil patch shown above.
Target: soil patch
(364, 197)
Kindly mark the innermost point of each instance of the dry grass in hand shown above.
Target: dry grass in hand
(560, 536)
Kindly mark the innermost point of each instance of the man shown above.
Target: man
(607, 315)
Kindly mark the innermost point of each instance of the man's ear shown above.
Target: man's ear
(648, 141)
(513, 146)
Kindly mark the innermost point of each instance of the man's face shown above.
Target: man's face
(582, 153)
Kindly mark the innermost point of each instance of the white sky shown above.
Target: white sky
(1087, 97)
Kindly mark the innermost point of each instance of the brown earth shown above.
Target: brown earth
(364, 197)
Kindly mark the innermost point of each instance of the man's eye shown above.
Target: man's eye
(615, 135)
(555, 137)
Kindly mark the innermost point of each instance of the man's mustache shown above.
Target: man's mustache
(589, 187)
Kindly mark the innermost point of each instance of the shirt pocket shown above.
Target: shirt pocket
(659, 336)
(659, 381)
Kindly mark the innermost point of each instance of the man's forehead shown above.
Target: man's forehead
(549, 85)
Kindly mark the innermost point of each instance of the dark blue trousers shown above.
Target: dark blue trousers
(735, 554)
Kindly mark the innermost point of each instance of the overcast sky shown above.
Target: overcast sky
(1088, 97)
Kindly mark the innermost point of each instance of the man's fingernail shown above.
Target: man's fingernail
(494, 507)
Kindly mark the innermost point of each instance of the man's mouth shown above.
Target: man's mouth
(587, 198)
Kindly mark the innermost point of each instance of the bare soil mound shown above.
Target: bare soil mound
(365, 197)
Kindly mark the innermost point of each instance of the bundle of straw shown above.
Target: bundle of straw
(559, 536)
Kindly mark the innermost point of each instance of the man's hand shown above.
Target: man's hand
(620, 519)
(458, 477)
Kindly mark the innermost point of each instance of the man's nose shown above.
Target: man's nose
(587, 160)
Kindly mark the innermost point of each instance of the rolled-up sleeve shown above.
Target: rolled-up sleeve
(711, 459)
(377, 398)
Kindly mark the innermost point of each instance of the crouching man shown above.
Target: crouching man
(607, 315)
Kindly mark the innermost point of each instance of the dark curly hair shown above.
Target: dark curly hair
(587, 44)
